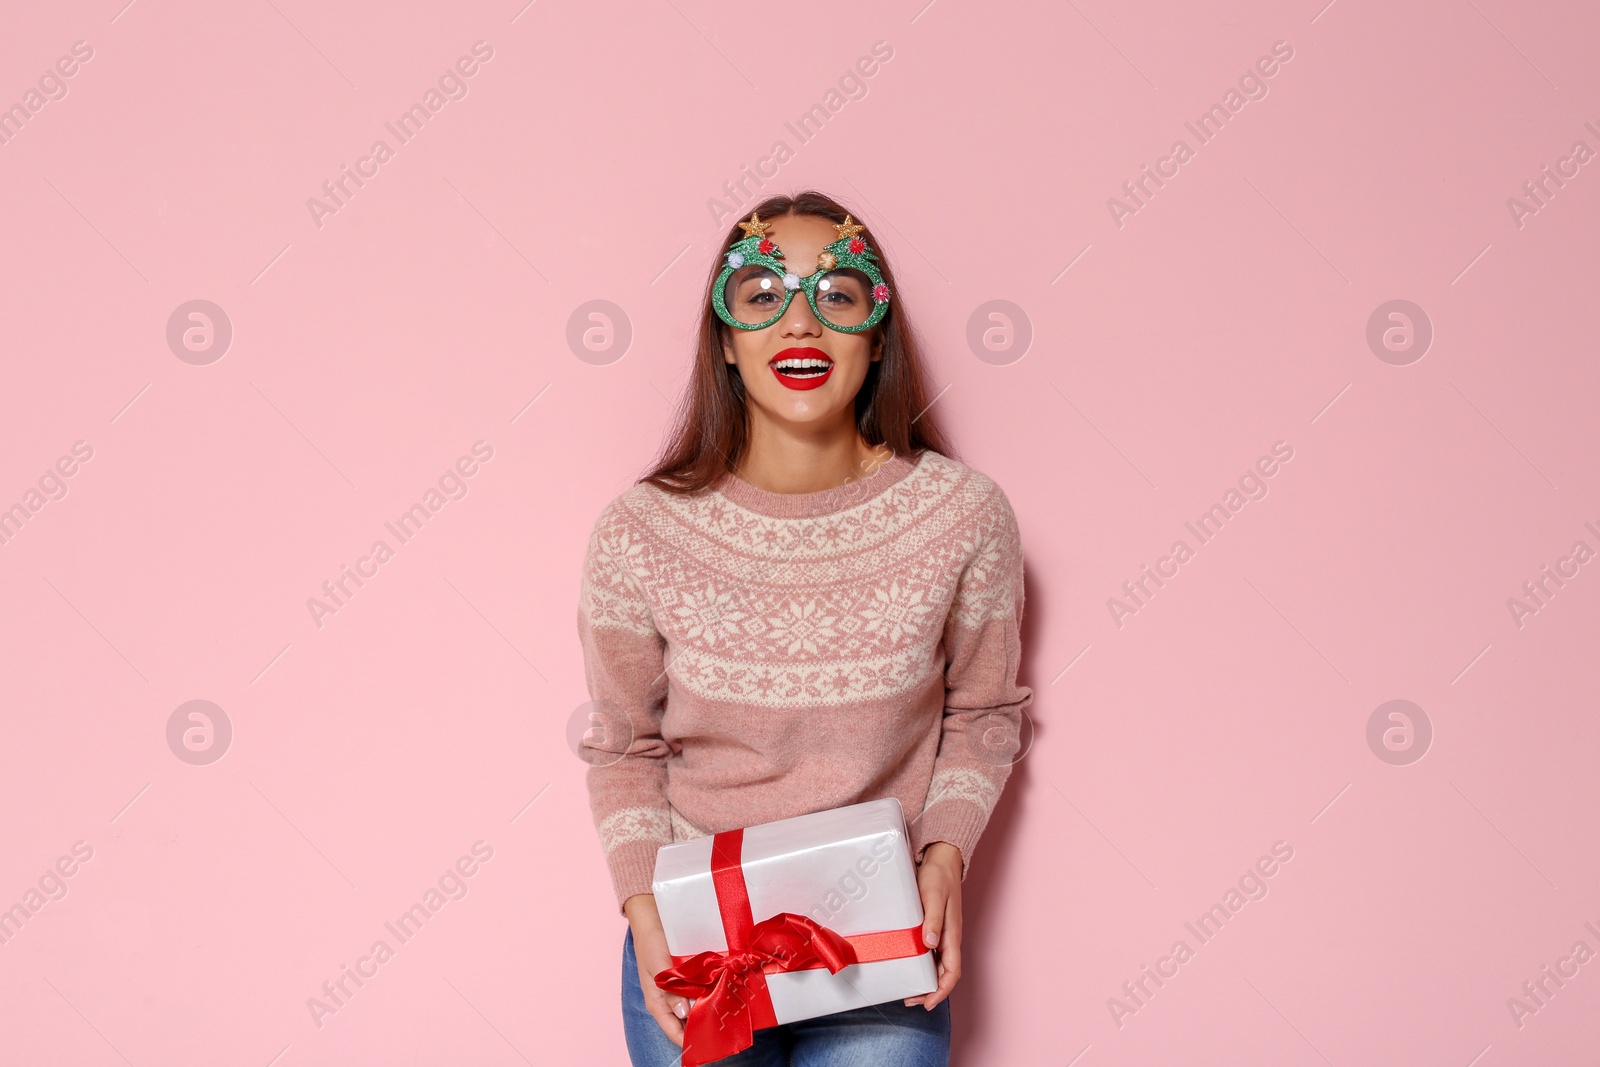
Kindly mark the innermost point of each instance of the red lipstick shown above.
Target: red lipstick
(801, 368)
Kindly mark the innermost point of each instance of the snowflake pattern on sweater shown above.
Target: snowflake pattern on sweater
(755, 655)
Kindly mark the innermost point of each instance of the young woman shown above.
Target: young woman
(808, 603)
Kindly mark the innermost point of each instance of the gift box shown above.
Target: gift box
(789, 920)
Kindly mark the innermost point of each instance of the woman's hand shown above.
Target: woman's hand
(939, 882)
(650, 949)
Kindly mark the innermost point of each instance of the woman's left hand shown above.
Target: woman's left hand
(939, 882)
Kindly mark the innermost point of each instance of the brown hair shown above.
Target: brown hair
(712, 428)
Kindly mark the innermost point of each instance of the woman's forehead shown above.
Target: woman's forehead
(802, 230)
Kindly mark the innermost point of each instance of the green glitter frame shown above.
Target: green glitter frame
(750, 249)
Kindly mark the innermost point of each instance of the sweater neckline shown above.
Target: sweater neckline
(821, 501)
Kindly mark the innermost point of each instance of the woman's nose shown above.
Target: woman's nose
(800, 322)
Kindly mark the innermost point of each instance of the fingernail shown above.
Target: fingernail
(932, 938)
(681, 1010)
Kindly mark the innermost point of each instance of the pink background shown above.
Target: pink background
(431, 311)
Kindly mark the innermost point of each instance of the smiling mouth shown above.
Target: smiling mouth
(801, 368)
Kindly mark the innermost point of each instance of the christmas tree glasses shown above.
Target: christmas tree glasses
(846, 291)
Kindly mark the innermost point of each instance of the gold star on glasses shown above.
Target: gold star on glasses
(847, 228)
(755, 227)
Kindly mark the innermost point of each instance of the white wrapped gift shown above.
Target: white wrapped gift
(846, 870)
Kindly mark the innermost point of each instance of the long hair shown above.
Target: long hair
(711, 430)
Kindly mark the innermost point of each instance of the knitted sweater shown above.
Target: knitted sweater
(754, 655)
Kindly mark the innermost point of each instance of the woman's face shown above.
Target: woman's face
(805, 395)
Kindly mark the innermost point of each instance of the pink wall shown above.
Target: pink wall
(1171, 344)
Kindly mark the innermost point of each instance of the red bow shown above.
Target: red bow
(730, 988)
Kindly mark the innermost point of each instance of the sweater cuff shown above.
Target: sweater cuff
(633, 869)
(958, 822)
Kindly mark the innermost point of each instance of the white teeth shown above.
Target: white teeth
(803, 364)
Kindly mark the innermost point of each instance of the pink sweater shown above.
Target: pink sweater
(757, 655)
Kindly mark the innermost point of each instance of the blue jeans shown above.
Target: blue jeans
(881, 1035)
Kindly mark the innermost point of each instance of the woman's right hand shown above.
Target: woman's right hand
(650, 949)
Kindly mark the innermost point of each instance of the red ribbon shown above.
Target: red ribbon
(731, 999)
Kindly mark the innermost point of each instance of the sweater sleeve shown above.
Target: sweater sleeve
(624, 667)
(983, 706)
